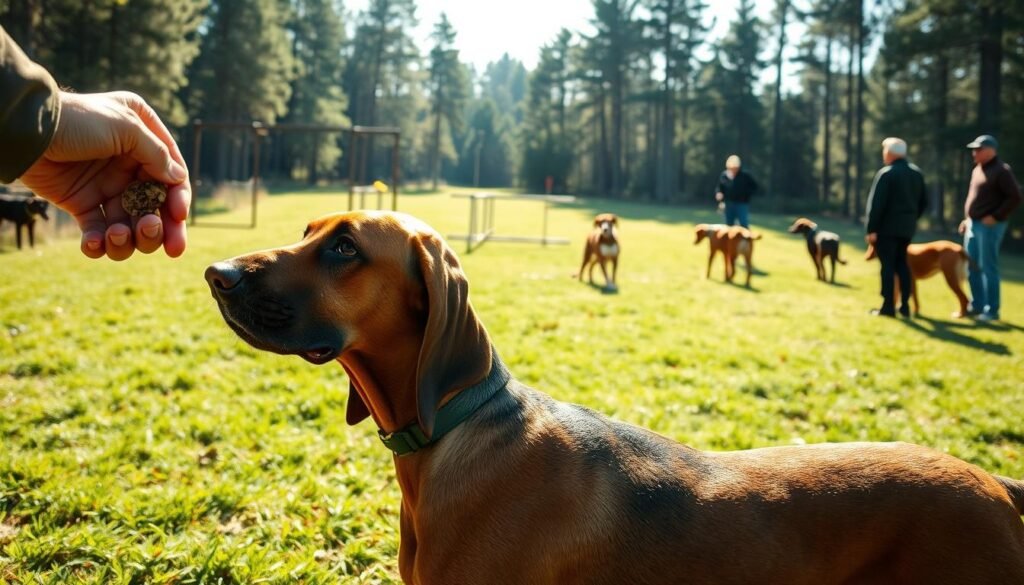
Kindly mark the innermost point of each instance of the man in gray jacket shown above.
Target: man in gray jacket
(897, 200)
(80, 151)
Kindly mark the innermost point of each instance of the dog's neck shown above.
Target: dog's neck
(389, 393)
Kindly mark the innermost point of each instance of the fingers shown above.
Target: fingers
(119, 243)
(149, 233)
(93, 226)
(179, 195)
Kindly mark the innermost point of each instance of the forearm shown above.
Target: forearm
(29, 110)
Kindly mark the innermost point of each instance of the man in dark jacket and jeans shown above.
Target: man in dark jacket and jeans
(735, 188)
(992, 197)
(896, 202)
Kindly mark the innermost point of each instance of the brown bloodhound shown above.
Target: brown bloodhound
(502, 484)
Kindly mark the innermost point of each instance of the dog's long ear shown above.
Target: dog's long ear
(456, 351)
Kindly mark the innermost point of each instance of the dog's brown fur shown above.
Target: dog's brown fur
(530, 490)
(820, 245)
(931, 258)
(602, 246)
(731, 242)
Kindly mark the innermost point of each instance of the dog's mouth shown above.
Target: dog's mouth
(314, 352)
(320, 355)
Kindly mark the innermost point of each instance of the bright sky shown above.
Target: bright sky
(486, 29)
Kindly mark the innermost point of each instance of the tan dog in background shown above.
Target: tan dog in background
(928, 259)
(508, 486)
(731, 242)
(602, 247)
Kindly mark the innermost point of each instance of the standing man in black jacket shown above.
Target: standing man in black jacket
(735, 188)
(897, 201)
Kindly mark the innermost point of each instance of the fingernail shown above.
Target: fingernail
(119, 239)
(177, 172)
(151, 231)
(93, 244)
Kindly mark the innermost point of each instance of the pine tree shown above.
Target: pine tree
(318, 36)
(449, 91)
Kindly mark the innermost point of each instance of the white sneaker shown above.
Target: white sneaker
(987, 317)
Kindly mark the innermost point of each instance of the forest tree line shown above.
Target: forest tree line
(645, 106)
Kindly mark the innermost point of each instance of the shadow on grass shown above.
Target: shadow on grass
(736, 284)
(605, 290)
(947, 331)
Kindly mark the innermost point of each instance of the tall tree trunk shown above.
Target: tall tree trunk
(606, 163)
(826, 159)
(666, 160)
(773, 185)
(939, 133)
(848, 162)
(435, 156)
(616, 137)
(990, 79)
(860, 111)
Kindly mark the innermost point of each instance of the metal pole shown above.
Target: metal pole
(352, 150)
(544, 241)
(197, 134)
(472, 223)
(256, 126)
(394, 173)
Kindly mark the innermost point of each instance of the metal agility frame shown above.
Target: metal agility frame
(259, 130)
(481, 225)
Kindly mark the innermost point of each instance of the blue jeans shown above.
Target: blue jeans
(982, 244)
(737, 212)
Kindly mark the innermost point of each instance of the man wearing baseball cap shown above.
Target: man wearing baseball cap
(992, 197)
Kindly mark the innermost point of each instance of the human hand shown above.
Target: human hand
(989, 220)
(104, 142)
(962, 228)
(719, 196)
(871, 238)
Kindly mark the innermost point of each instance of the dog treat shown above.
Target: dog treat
(142, 197)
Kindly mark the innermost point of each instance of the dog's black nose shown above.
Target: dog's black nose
(223, 276)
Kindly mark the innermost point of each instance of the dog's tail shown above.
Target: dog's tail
(1015, 489)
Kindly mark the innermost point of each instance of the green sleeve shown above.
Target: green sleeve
(29, 109)
(877, 201)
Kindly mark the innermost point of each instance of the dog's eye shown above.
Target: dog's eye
(346, 247)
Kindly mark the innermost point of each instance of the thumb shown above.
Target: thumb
(152, 154)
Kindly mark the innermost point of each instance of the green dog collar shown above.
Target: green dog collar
(412, 438)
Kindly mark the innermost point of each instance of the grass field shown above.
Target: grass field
(142, 442)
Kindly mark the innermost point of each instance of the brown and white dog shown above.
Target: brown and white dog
(820, 244)
(602, 247)
(731, 242)
(931, 258)
(501, 484)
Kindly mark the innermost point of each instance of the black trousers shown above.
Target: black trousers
(892, 253)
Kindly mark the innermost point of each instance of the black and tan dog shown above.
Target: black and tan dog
(502, 484)
(602, 247)
(23, 212)
(820, 244)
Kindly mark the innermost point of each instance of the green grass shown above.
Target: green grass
(142, 442)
